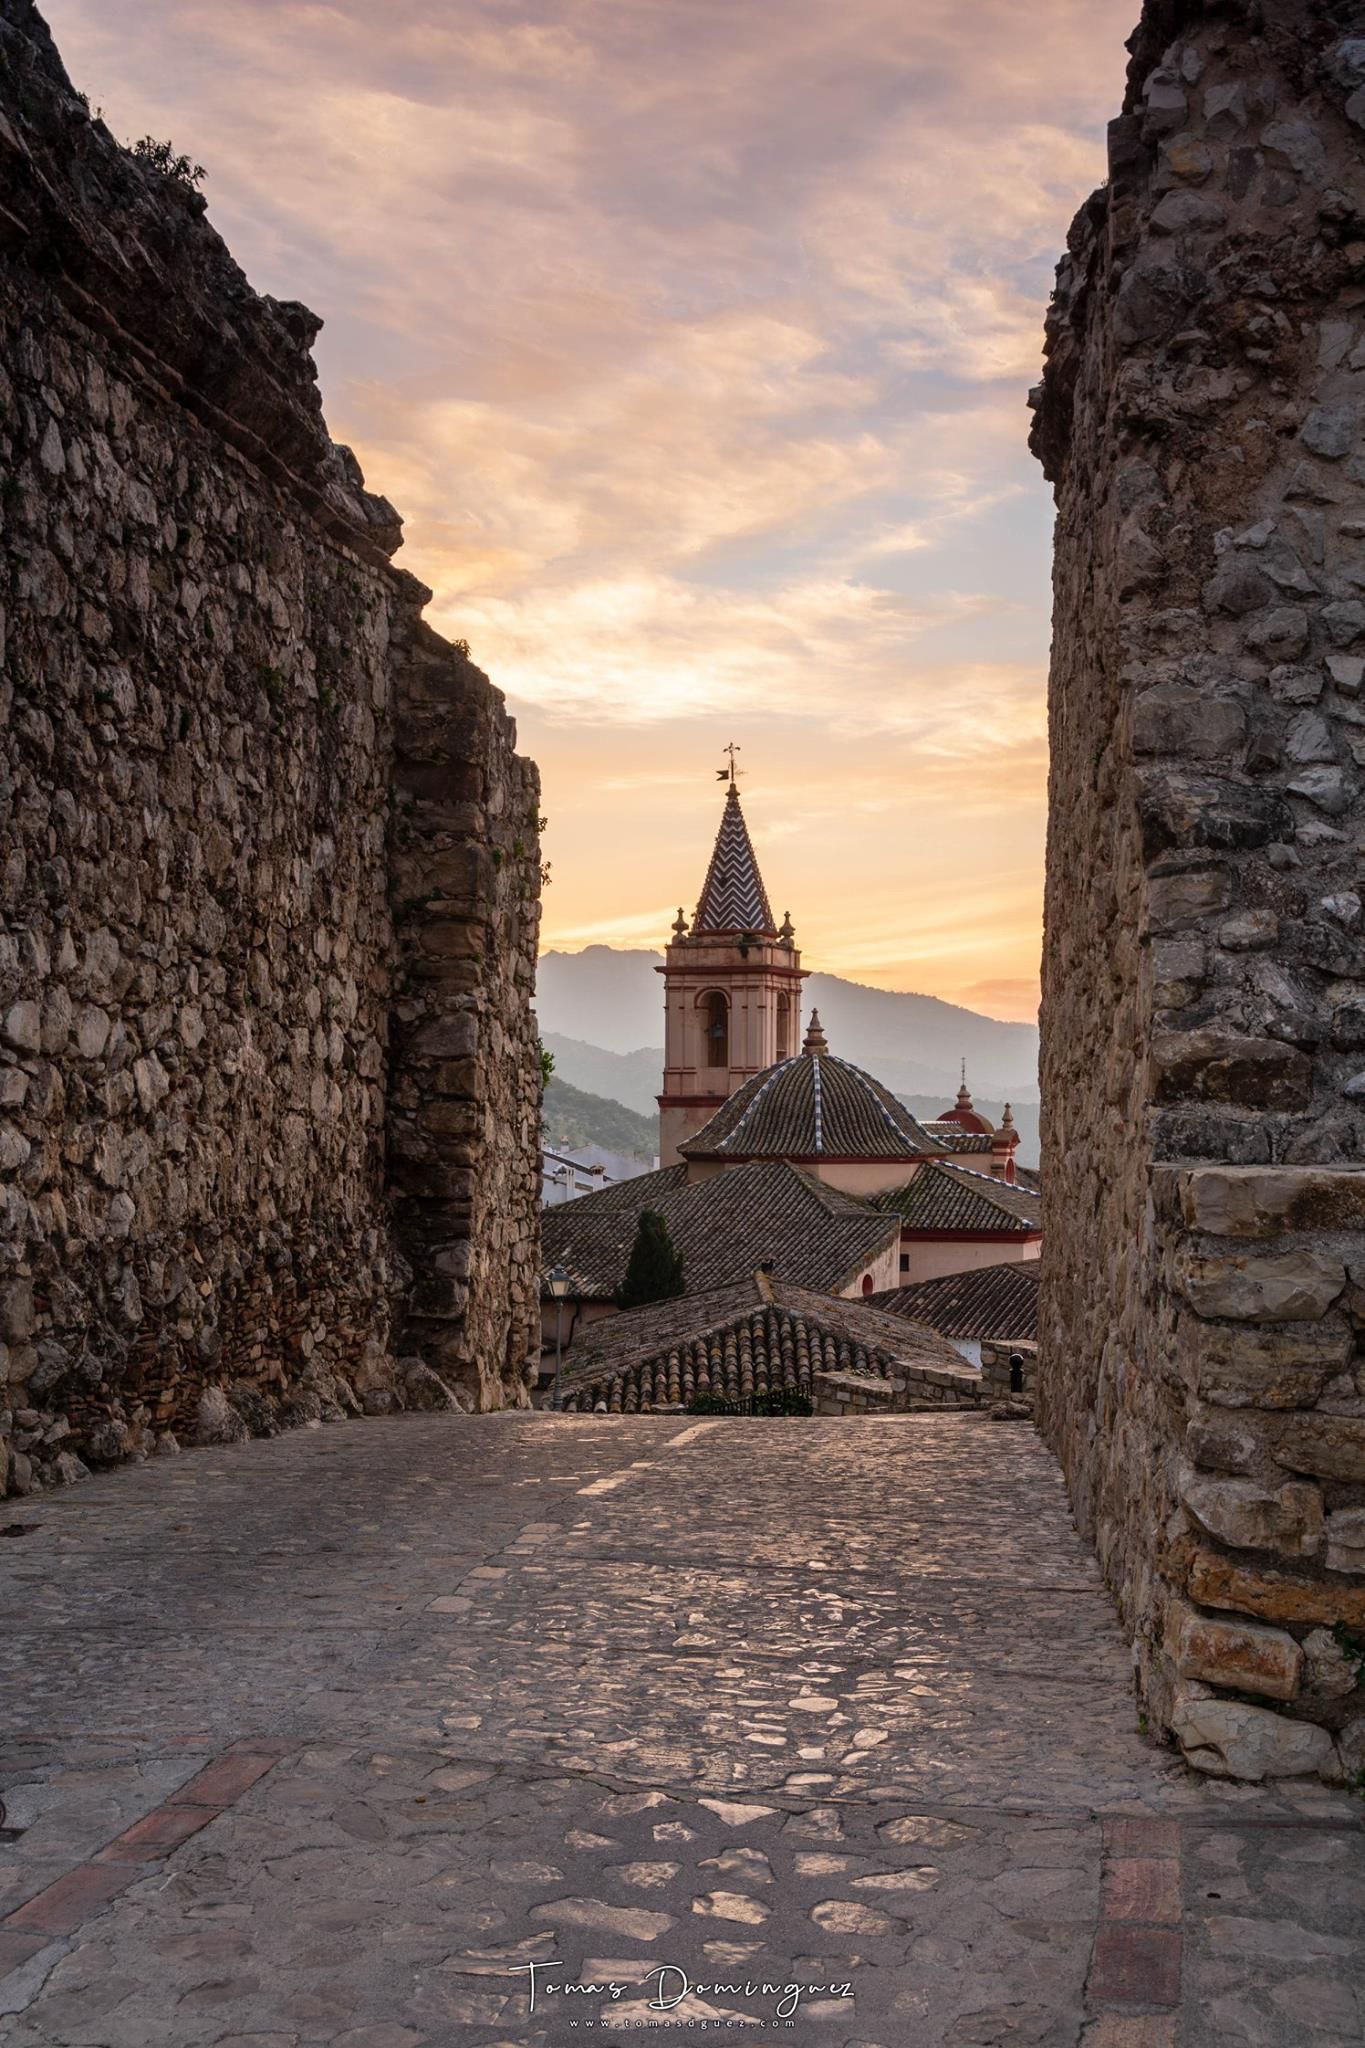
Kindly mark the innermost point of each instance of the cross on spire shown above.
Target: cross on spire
(732, 773)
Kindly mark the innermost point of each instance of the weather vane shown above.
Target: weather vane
(730, 774)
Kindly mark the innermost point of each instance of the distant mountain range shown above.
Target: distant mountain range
(593, 1089)
(613, 1000)
(601, 1015)
(573, 1120)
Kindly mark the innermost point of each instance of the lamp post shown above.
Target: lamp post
(558, 1283)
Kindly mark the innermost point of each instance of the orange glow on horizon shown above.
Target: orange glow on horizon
(695, 358)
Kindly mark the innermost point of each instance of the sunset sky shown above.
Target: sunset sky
(691, 337)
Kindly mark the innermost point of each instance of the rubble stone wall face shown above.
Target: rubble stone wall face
(1203, 1298)
(268, 864)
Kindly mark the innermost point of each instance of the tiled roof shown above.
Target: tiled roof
(733, 898)
(993, 1301)
(812, 1107)
(956, 1138)
(965, 1114)
(725, 1227)
(756, 1337)
(945, 1196)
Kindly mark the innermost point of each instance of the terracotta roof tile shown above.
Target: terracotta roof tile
(812, 1107)
(945, 1196)
(725, 1227)
(956, 1138)
(992, 1301)
(756, 1337)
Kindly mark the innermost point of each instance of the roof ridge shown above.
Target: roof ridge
(974, 1172)
(992, 1187)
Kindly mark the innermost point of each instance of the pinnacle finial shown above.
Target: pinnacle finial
(816, 1041)
(732, 773)
(680, 923)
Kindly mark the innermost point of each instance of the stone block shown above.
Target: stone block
(449, 1037)
(1224, 1447)
(1242, 1655)
(1263, 1365)
(17, 1319)
(22, 1027)
(1249, 1516)
(1177, 900)
(1327, 1670)
(1216, 1581)
(1266, 1201)
(1283, 1287)
(1182, 810)
(1346, 1540)
(1251, 1073)
(451, 938)
(1351, 1747)
(1227, 1739)
(1329, 1446)
(1171, 718)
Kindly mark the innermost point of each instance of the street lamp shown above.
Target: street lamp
(558, 1283)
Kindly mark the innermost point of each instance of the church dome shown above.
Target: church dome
(964, 1113)
(810, 1108)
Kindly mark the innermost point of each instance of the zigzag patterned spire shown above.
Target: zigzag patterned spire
(733, 898)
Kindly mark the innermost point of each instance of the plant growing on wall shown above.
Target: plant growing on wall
(164, 157)
(654, 1271)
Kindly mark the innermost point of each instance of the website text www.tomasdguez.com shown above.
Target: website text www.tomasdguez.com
(670, 1986)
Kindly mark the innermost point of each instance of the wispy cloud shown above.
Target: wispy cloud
(691, 338)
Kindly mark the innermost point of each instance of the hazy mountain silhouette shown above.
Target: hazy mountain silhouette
(614, 1000)
(633, 1079)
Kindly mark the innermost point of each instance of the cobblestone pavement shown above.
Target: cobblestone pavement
(326, 1739)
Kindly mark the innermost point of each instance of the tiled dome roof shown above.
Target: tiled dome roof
(813, 1107)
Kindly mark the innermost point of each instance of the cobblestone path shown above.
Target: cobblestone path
(326, 1739)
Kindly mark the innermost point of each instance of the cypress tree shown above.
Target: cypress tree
(654, 1271)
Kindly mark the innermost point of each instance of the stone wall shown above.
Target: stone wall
(1204, 978)
(906, 1390)
(261, 836)
(997, 1375)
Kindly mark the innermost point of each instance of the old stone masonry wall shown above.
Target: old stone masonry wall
(1203, 420)
(268, 863)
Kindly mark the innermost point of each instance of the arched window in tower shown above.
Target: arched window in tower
(784, 1027)
(717, 1030)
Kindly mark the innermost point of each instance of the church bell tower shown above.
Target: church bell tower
(732, 986)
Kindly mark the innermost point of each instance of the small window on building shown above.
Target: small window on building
(717, 1030)
(905, 1262)
(867, 1283)
(784, 1027)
